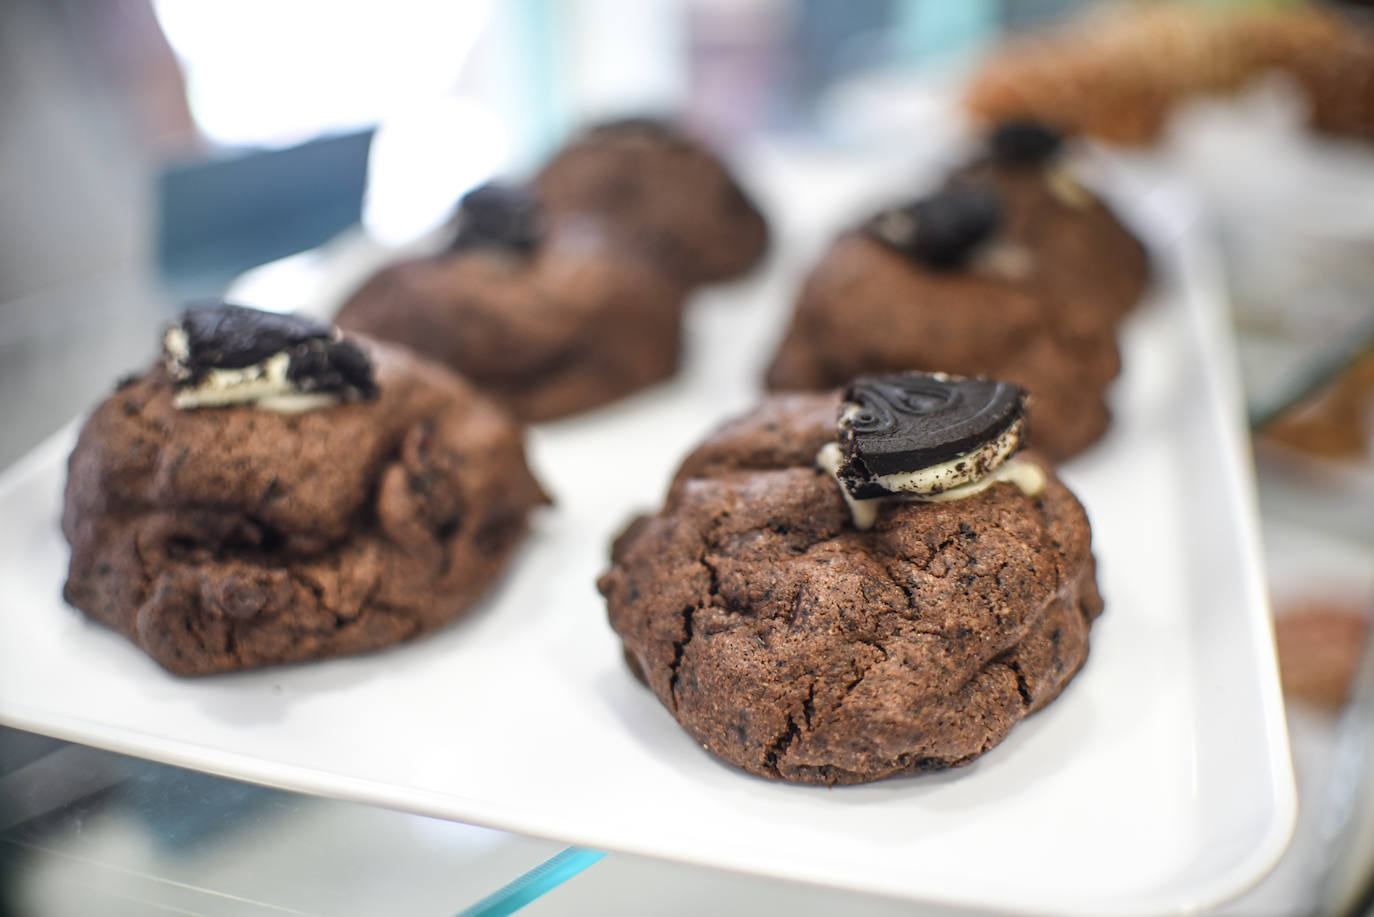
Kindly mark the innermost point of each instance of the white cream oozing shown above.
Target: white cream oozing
(863, 512)
(1024, 474)
(265, 384)
(178, 347)
(1005, 261)
(1065, 186)
(956, 472)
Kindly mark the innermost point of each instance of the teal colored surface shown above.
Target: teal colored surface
(540, 880)
(924, 30)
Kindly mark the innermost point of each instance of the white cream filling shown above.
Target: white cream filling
(264, 384)
(897, 227)
(178, 347)
(956, 472)
(1065, 186)
(863, 512)
(1026, 475)
(1004, 261)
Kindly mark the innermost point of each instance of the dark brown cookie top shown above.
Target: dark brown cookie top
(570, 326)
(793, 645)
(1082, 258)
(866, 308)
(664, 196)
(229, 537)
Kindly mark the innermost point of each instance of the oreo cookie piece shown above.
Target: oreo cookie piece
(943, 230)
(498, 215)
(924, 434)
(226, 354)
(1024, 143)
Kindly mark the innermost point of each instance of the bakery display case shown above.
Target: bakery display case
(587, 736)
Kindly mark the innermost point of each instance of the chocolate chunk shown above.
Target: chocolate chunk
(1024, 143)
(498, 215)
(942, 230)
(906, 422)
(226, 336)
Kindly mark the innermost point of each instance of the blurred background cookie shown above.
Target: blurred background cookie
(1080, 253)
(662, 193)
(1320, 645)
(936, 285)
(1117, 74)
(540, 312)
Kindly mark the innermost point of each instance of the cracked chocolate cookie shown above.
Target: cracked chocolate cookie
(1076, 250)
(541, 313)
(272, 492)
(938, 284)
(665, 195)
(794, 644)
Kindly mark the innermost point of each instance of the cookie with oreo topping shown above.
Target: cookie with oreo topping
(939, 284)
(501, 216)
(540, 311)
(253, 529)
(792, 642)
(221, 353)
(664, 195)
(1078, 251)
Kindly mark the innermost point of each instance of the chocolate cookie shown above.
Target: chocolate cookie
(1078, 252)
(326, 512)
(795, 645)
(664, 194)
(542, 315)
(936, 285)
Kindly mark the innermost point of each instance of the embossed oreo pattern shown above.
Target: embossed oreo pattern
(909, 421)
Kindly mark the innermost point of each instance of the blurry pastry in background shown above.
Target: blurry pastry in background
(662, 193)
(1084, 258)
(1319, 646)
(1117, 74)
(935, 285)
(541, 312)
(1337, 420)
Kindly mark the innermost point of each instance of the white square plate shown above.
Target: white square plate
(1159, 781)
